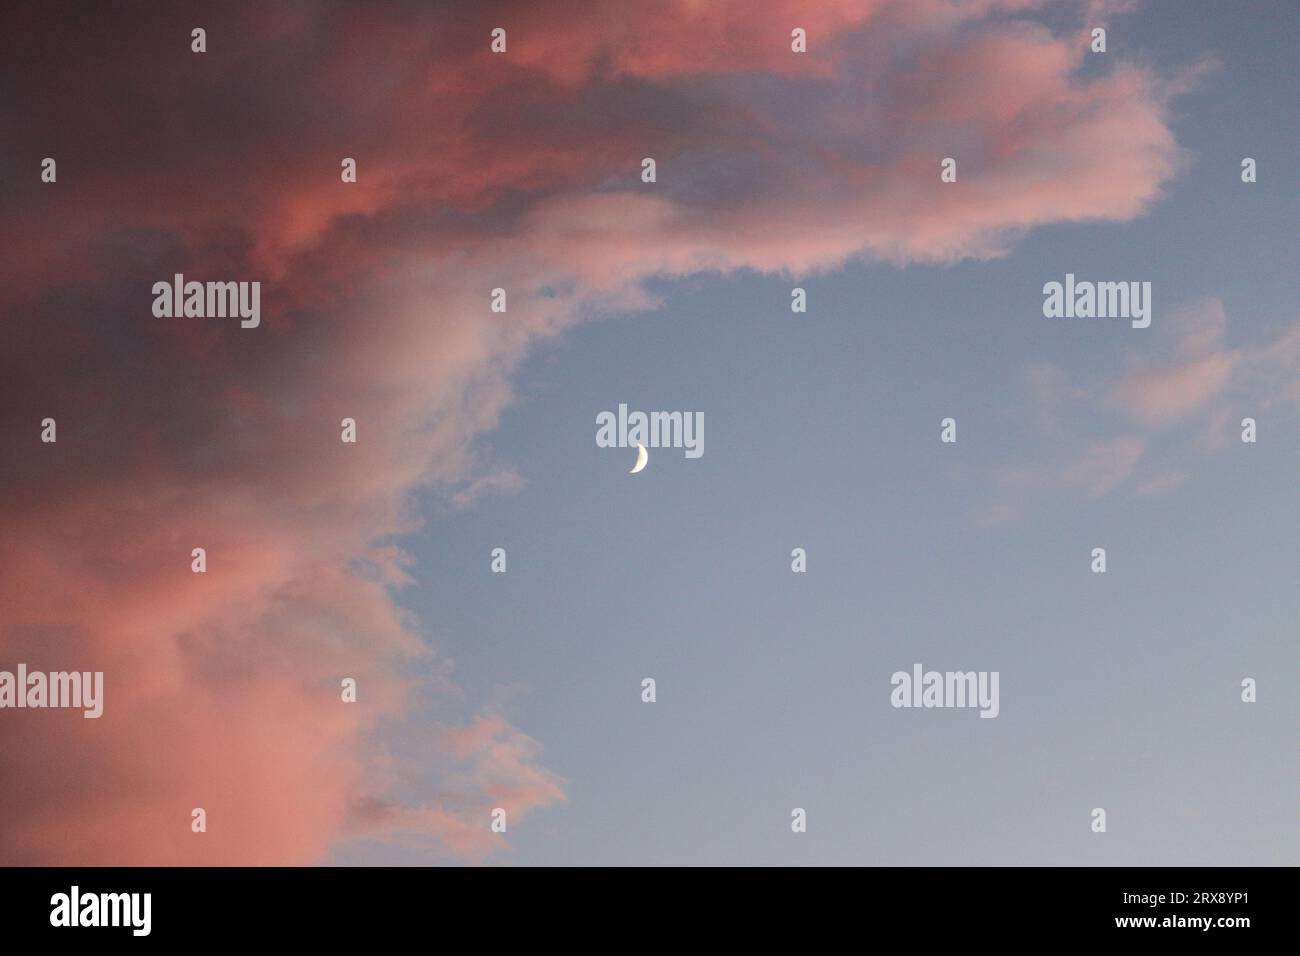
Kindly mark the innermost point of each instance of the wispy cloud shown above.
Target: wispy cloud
(1192, 390)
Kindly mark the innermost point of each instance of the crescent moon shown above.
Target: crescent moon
(642, 456)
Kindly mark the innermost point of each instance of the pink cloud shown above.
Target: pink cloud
(1097, 470)
(1163, 397)
(1163, 483)
(1197, 371)
(488, 765)
(475, 171)
(1105, 465)
(1164, 391)
(1190, 382)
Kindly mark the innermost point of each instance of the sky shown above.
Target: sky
(477, 430)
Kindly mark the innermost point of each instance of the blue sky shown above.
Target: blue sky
(521, 169)
(822, 431)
